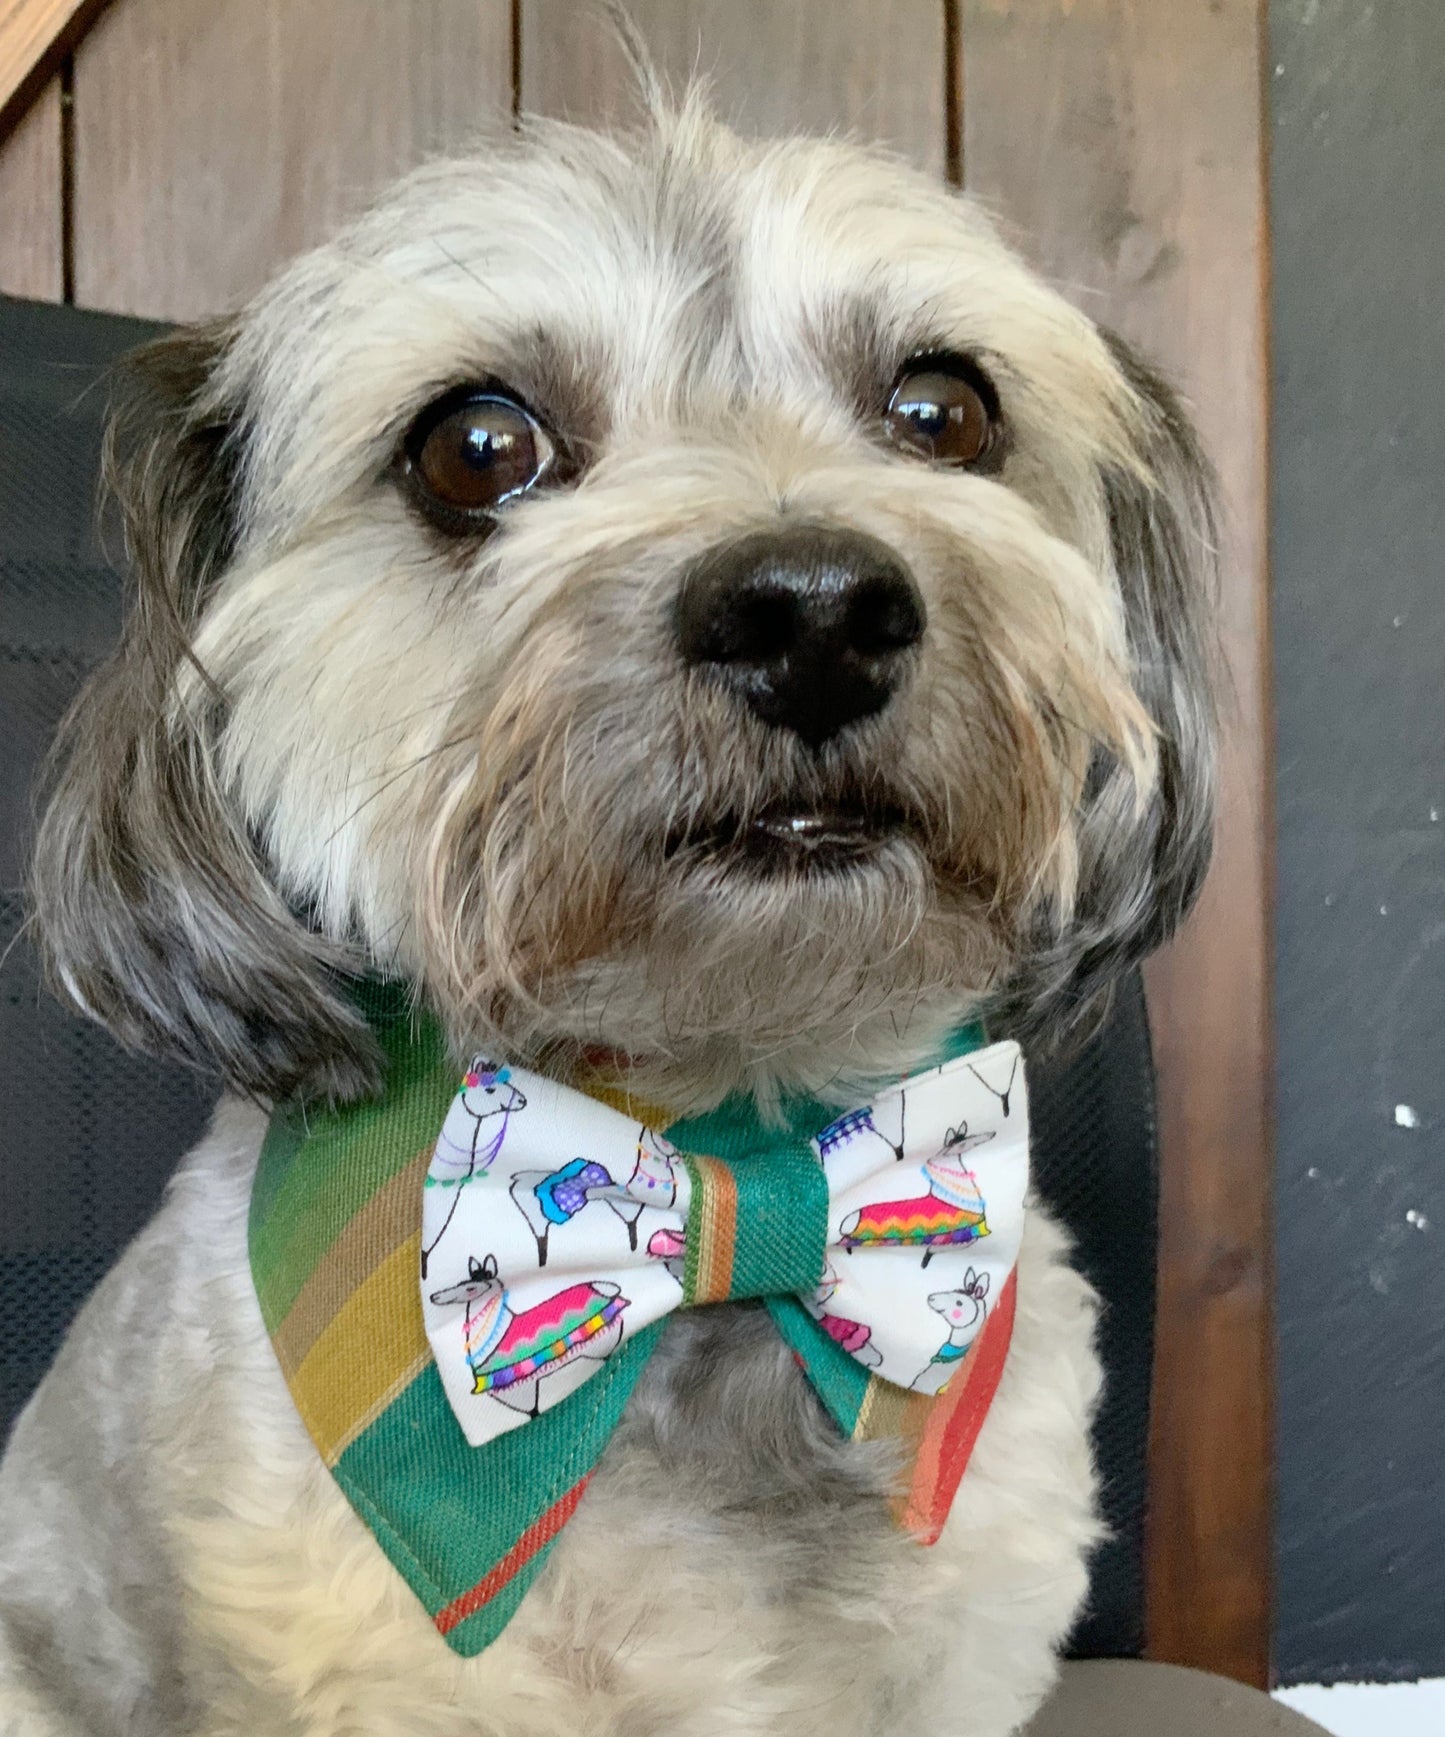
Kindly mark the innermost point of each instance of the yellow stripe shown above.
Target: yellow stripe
(381, 1226)
(715, 1226)
(372, 1348)
(891, 1413)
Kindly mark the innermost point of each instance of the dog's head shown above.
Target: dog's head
(704, 599)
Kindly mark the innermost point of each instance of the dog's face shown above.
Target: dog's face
(702, 599)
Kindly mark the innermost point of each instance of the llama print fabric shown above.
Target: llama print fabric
(554, 1227)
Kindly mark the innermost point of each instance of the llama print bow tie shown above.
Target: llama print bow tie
(555, 1228)
(463, 1415)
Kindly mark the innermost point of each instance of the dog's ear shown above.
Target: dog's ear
(1141, 869)
(155, 913)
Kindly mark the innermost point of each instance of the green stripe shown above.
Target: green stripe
(285, 1136)
(841, 1381)
(782, 1223)
(692, 1243)
(316, 1172)
(446, 1513)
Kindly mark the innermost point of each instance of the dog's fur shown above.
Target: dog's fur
(335, 739)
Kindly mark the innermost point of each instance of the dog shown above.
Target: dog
(697, 608)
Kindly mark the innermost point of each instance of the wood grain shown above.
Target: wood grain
(1124, 137)
(31, 261)
(33, 34)
(777, 66)
(215, 138)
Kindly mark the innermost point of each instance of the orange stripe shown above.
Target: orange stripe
(716, 1230)
(537, 1536)
(954, 1421)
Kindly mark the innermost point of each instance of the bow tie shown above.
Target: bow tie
(556, 1228)
(555, 1233)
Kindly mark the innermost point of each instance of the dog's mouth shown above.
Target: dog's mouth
(794, 834)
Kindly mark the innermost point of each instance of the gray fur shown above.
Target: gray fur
(156, 915)
(1140, 872)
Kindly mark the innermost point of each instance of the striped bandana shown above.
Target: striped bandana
(554, 1232)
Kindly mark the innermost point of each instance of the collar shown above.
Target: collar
(335, 1243)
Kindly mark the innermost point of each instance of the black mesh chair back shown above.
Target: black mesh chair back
(89, 1135)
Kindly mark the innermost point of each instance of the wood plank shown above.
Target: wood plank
(1124, 137)
(33, 35)
(812, 65)
(31, 203)
(215, 138)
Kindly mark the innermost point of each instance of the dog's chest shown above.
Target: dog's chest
(725, 1414)
(727, 1466)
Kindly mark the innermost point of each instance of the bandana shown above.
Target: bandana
(463, 1284)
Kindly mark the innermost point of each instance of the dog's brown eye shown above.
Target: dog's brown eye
(471, 452)
(944, 408)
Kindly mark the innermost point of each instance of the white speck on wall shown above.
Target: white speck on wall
(1372, 1709)
(1417, 1218)
(1329, 899)
(1406, 1116)
(1313, 1172)
(1384, 910)
(1399, 621)
(1435, 816)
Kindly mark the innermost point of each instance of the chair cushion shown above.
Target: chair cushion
(1131, 1698)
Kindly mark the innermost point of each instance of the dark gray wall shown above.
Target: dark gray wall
(1358, 190)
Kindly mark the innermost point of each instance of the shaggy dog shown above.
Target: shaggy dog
(698, 606)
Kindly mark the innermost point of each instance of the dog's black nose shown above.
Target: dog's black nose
(811, 626)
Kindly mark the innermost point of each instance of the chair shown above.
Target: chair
(80, 1173)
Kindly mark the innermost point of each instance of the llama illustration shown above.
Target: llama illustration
(670, 1247)
(853, 1336)
(1003, 1093)
(964, 1312)
(860, 1125)
(469, 1143)
(549, 1198)
(951, 1212)
(510, 1355)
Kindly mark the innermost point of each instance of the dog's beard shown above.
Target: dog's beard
(615, 868)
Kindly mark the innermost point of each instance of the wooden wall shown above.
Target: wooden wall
(32, 202)
(1125, 139)
(185, 147)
